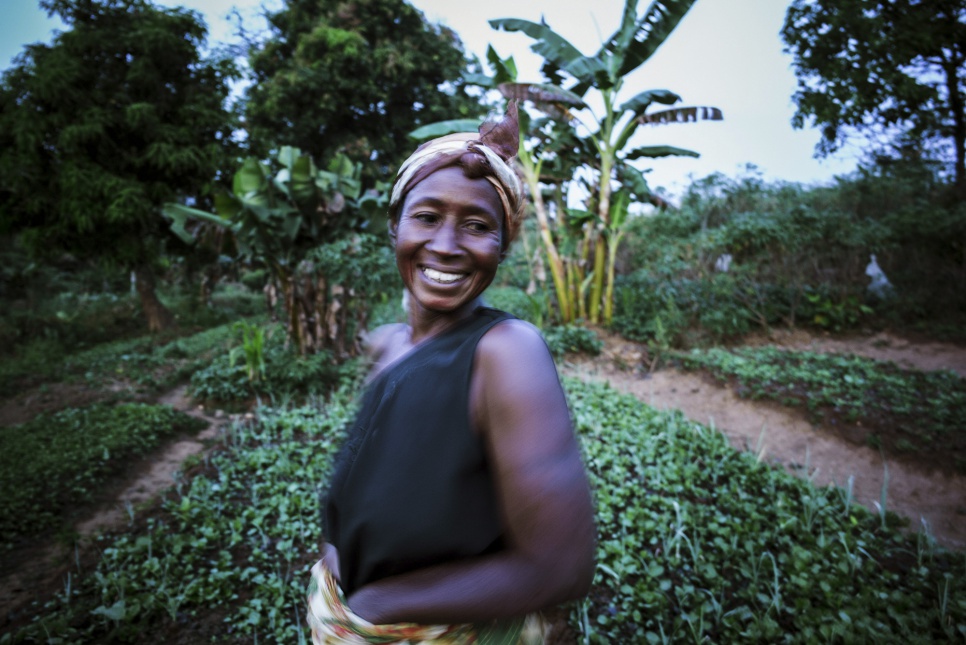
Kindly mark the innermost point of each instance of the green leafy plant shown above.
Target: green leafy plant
(253, 348)
(567, 339)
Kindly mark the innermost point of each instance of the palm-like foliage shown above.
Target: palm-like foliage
(281, 220)
(634, 42)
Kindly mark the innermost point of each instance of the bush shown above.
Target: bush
(681, 311)
(572, 339)
(513, 300)
(227, 380)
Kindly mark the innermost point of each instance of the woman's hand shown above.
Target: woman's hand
(330, 560)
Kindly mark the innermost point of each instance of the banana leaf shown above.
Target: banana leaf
(659, 151)
(442, 128)
(642, 101)
(652, 29)
(179, 214)
(555, 49)
(250, 178)
(682, 115)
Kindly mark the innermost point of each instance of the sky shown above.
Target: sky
(724, 53)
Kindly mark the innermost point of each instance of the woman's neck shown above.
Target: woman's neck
(424, 324)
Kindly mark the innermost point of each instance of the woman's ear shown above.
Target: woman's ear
(391, 225)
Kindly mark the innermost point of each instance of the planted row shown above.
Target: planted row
(699, 542)
(912, 412)
(696, 542)
(230, 553)
(56, 461)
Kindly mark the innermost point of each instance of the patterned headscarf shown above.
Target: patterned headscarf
(495, 145)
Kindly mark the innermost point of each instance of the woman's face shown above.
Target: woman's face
(448, 240)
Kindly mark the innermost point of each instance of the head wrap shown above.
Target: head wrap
(494, 146)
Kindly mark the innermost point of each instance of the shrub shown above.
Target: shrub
(650, 306)
(227, 380)
(572, 339)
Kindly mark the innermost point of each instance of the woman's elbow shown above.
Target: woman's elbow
(573, 572)
(583, 575)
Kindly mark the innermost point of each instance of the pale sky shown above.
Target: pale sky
(725, 53)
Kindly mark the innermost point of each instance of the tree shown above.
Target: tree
(98, 129)
(354, 77)
(635, 41)
(305, 224)
(867, 66)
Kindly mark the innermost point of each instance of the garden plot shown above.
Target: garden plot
(784, 436)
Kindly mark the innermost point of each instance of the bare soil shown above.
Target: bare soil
(784, 437)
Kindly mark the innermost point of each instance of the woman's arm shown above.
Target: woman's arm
(519, 408)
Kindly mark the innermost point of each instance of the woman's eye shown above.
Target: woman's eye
(479, 227)
(428, 218)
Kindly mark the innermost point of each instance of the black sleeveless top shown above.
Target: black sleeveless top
(412, 486)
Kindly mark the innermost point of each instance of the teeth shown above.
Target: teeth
(439, 276)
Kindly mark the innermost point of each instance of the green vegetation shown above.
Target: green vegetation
(230, 552)
(145, 363)
(330, 76)
(908, 85)
(907, 411)
(572, 339)
(57, 461)
(700, 542)
(696, 541)
(797, 258)
(561, 339)
(120, 113)
(284, 374)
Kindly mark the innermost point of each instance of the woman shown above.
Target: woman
(459, 503)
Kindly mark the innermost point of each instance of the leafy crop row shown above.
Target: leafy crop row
(696, 542)
(700, 542)
(912, 411)
(144, 362)
(58, 460)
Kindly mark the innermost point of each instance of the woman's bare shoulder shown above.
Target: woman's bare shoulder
(515, 347)
(513, 340)
(376, 342)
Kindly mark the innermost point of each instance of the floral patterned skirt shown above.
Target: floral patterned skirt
(333, 623)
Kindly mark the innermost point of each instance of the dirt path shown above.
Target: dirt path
(789, 440)
(46, 565)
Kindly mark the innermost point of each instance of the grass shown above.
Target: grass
(907, 412)
(696, 542)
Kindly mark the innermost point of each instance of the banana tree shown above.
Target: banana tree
(281, 219)
(610, 132)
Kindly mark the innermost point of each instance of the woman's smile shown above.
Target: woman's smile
(442, 277)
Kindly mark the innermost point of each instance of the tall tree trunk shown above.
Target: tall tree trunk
(158, 316)
(603, 214)
(959, 126)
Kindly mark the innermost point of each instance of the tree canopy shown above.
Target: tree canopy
(352, 76)
(98, 129)
(871, 66)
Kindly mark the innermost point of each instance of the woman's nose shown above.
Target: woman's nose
(444, 240)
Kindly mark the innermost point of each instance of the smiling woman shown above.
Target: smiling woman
(460, 507)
